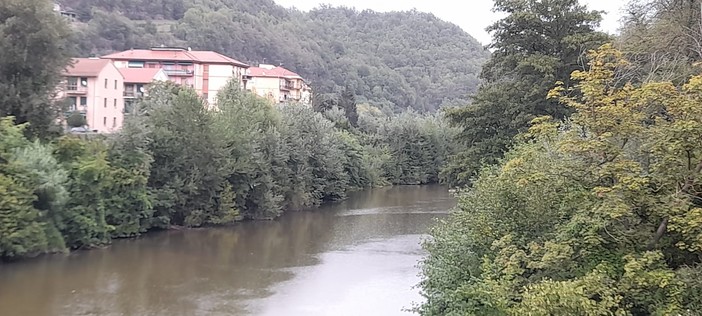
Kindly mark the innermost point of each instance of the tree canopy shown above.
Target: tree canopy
(596, 215)
(400, 59)
(35, 47)
(536, 44)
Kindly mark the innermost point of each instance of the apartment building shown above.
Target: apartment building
(206, 71)
(136, 81)
(278, 84)
(94, 87)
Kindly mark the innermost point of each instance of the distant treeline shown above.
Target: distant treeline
(396, 60)
(177, 163)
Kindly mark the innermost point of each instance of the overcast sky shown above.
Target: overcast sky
(472, 15)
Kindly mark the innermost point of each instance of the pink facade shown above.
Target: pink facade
(95, 88)
(205, 71)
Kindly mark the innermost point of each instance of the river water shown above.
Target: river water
(358, 257)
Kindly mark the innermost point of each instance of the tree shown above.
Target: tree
(22, 232)
(34, 50)
(76, 119)
(348, 103)
(256, 173)
(661, 40)
(539, 42)
(84, 216)
(611, 227)
(418, 145)
(129, 204)
(189, 161)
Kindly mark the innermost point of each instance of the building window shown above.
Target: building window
(115, 84)
(115, 103)
(114, 122)
(105, 102)
(72, 83)
(72, 105)
(104, 121)
(105, 83)
(135, 64)
(84, 82)
(83, 101)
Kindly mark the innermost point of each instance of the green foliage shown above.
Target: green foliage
(176, 162)
(49, 183)
(536, 44)
(659, 38)
(129, 205)
(89, 171)
(76, 119)
(34, 49)
(188, 158)
(257, 170)
(418, 146)
(316, 157)
(348, 103)
(22, 231)
(385, 58)
(610, 227)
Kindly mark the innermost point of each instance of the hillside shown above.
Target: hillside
(400, 59)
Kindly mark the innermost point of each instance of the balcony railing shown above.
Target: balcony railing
(287, 86)
(131, 94)
(178, 72)
(76, 89)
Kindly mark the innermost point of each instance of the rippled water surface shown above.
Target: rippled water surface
(358, 257)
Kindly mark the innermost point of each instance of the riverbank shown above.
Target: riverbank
(359, 255)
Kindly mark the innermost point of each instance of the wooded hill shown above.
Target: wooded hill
(397, 59)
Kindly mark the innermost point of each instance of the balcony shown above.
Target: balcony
(131, 94)
(179, 72)
(76, 90)
(287, 86)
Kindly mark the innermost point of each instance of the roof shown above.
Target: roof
(86, 67)
(214, 57)
(276, 72)
(175, 55)
(139, 75)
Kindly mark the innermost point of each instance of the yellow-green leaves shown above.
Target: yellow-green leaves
(595, 215)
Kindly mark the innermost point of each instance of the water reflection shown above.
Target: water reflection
(355, 257)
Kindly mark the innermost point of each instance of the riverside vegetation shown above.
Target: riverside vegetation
(587, 198)
(578, 162)
(175, 162)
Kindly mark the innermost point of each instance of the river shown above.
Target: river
(357, 257)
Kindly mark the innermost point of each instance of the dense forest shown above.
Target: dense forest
(395, 60)
(176, 163)
(580, 168)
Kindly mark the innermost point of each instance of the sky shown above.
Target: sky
(471, 15)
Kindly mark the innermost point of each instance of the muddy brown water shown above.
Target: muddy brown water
(358, 257)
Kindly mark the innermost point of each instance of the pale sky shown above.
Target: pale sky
(471, 15)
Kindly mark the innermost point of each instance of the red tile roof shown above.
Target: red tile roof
(85, 67)
(139, 75)
(175, 55)
(213, 57)
(277, 72)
